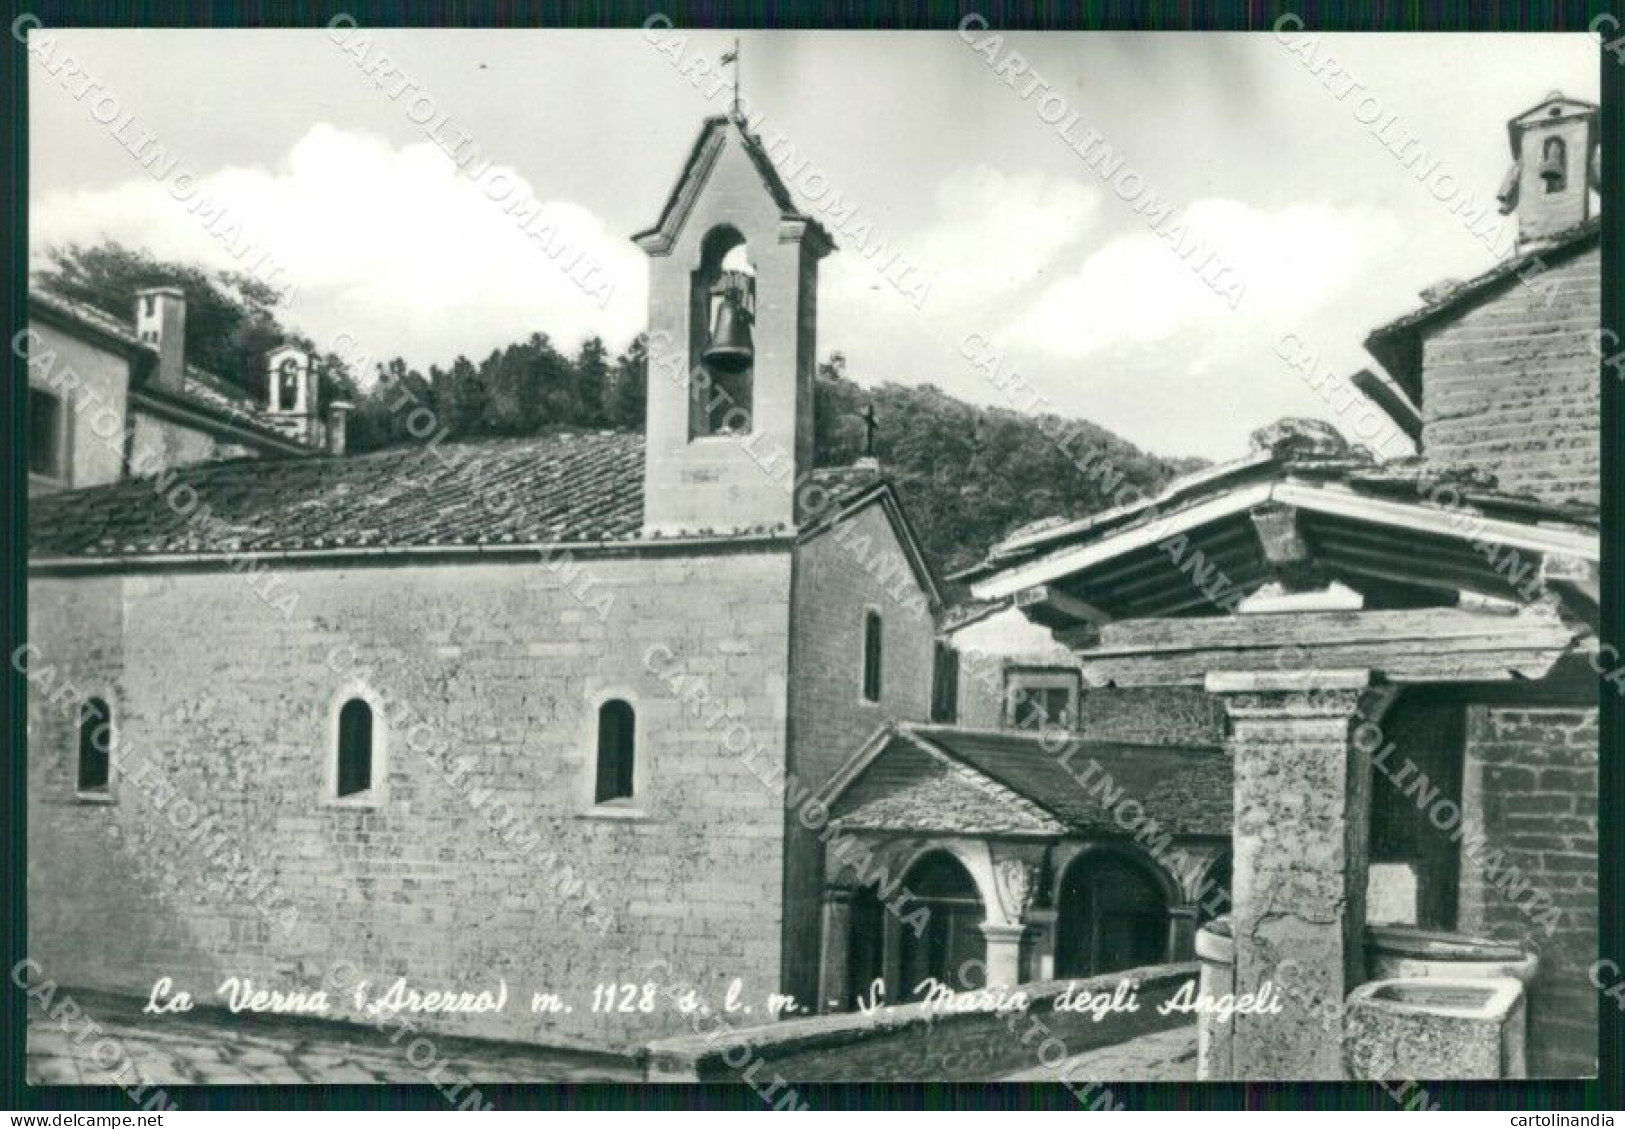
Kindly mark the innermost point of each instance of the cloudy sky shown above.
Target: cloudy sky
(931, 155)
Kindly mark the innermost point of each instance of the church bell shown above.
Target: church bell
(1551, 164)
(730, 348)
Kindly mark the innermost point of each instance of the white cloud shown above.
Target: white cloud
(1138, 290)
(997, 231)
(393, 246)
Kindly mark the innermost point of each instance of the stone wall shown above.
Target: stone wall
(986, 647)
(160, 444)
(839, 575)
(1530, 789)
(484, 858)
(93, 385)
(1511, 386)
(905, 1043)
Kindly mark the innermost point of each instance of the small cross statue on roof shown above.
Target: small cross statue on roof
(870, 425)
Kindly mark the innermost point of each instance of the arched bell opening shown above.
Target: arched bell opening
(722, 350)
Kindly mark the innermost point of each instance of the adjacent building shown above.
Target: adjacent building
(110, 400)
(1398, 661)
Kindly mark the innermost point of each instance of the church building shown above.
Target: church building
(542, 712)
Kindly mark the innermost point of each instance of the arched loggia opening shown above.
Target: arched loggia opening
(950, 948)
(1112, 913)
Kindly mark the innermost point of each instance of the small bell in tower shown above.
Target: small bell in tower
(730, 349)
(1553, 162)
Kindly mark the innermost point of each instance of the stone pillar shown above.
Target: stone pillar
(891, 958)
(1041, 944)
(1298, 884)
(1181, 932)
(833, 949)
(1003, 954)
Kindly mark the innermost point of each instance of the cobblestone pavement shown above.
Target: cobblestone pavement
(1167, 1056)
(221, 1049)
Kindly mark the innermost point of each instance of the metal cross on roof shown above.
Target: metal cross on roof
(870, 425)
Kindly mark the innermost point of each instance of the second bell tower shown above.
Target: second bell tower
(733, 303)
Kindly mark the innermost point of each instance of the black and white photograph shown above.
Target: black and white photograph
(605, 556)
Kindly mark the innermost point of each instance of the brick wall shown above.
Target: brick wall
(1512, 385)
(839, 575)
(1530, 787)
(225, 708)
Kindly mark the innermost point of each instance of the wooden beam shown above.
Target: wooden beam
(1420, 645)
(1435, 627)
(1279, 538)
(1048, 605)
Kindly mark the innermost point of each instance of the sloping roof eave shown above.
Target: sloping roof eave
(1394, 344)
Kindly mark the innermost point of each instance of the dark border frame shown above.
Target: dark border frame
(1607, 1092)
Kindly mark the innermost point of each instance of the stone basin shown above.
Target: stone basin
(1435, 1027)
(1396, 952)
(1444, 997)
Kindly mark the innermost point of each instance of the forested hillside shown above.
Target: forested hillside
(968, 474)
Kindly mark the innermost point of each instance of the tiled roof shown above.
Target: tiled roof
(202, 391)
(1415, 479)
(559, 488)
(1079, 784)
(88, 316)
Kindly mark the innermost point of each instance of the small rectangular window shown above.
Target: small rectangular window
(44, 433)
(95, 746)
(945, 684)
(871, 656)
(1041, 699)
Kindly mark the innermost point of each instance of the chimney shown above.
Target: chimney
(1554, 154)
(338, 418)
(160, 321)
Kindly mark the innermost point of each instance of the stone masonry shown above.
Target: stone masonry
(222, 716)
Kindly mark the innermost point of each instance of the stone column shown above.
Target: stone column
(1298, 885)
(833, 949)
(1003, 954)
(1041, 944)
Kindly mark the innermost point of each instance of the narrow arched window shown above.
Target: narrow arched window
(355, 748)
(617, 750)
(95, 745)
(871, 656)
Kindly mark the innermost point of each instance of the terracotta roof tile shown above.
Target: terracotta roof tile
(1062, 785)
(564, 487)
